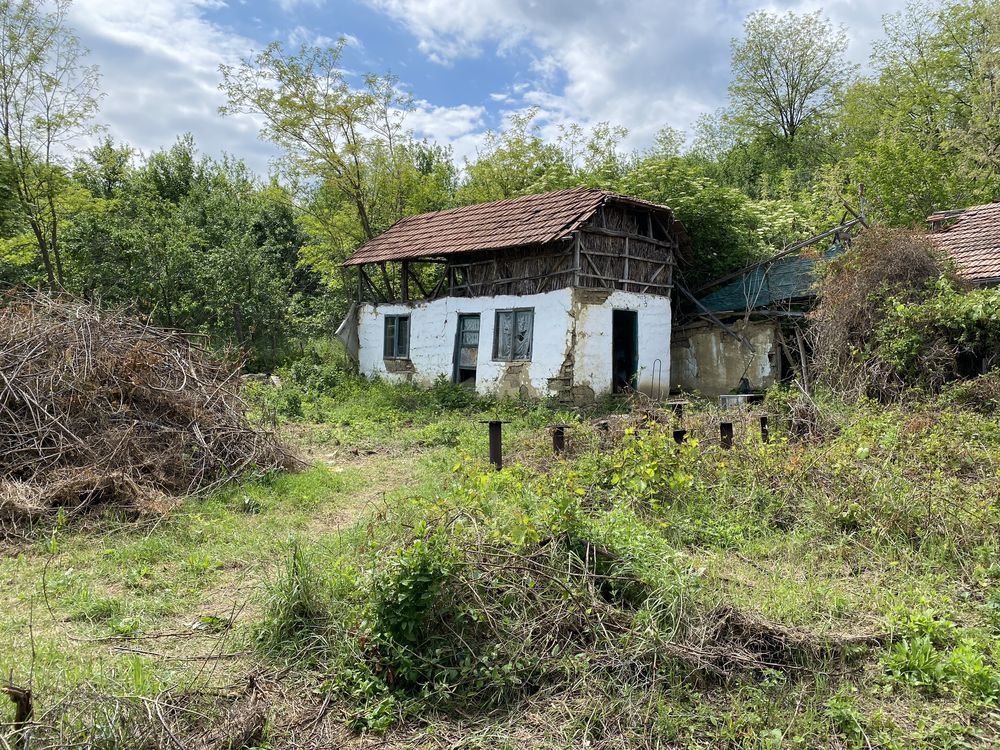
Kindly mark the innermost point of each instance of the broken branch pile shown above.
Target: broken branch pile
(99, 406)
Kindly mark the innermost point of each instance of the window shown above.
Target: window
(512, 334)
(397, 337)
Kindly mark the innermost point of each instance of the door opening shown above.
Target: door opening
(467, 349)
(624, 349)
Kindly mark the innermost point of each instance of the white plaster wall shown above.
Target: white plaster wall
(559, 321)
(592, 367)
(432, 340)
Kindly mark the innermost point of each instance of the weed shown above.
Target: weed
(296, 608)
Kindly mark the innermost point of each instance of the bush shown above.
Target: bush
(854, 297)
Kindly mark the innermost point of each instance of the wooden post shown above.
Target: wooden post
(404, 281)
(626, 286)
(576, 260)
(361, 283)
(765, 433)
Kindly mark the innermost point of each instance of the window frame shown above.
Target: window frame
(513, 311)
(395, 353)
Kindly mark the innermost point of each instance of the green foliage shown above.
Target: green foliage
(296, 609)
(788, 70)
(926, 342)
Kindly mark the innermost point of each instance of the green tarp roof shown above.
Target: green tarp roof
(779, 281)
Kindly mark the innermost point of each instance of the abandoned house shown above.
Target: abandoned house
(744, 332)
(562, 294)
(971, 237)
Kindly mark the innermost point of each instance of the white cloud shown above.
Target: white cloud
(289, 5)
(159, 62)
(301, 35)
(643, 63)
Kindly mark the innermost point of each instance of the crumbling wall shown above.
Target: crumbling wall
(593, 361)
(706, 359)
(570, 352)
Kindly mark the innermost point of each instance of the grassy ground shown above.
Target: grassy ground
(128, 606)
(367, 587)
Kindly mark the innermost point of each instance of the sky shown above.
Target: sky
(466, 63)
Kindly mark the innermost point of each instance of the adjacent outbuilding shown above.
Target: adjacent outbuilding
(971, 238)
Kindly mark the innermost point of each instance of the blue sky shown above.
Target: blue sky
(467, 63)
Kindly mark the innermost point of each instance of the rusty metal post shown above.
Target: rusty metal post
(559, 439)
(496, 444)
(765, 433)
(726, 435)
(679, 436)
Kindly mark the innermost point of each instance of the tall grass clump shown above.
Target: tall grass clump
(297, 608)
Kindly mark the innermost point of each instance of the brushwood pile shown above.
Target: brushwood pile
(99, 407)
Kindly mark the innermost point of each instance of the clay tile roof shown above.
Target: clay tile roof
(973, 242)
(515, 222)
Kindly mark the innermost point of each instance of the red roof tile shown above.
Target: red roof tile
(973, 242)
(515, 222)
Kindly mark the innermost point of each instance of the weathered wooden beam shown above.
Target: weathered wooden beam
(627, 277)
(655, 276)
(404, 280)
(576, 258)
(788, 250)
(366, 279)
(616, 280)
(416, 280)
(388, 282)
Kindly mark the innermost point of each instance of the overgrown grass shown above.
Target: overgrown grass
(852, 575)
(837, 591)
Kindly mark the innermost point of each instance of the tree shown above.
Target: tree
(353, 141)
(924, 132)
(788, 71)
(518, 160)
(47, 98)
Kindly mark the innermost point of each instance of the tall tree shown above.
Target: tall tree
(924, 132)
(788, 71)
(352, 140)
(47, 98)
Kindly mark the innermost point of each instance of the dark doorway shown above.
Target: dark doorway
(624, 349)
(467, 349)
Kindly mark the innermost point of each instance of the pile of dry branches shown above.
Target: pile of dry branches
(99, 406)
(883, 265)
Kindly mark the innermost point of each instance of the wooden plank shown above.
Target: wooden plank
(619, 281)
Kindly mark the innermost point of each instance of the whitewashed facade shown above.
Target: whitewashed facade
(571, 338)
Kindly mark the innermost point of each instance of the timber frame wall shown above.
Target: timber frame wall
(623, 246)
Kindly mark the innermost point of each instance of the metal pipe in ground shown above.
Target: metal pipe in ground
(559, 439)
(726, 435)
(496, 444)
